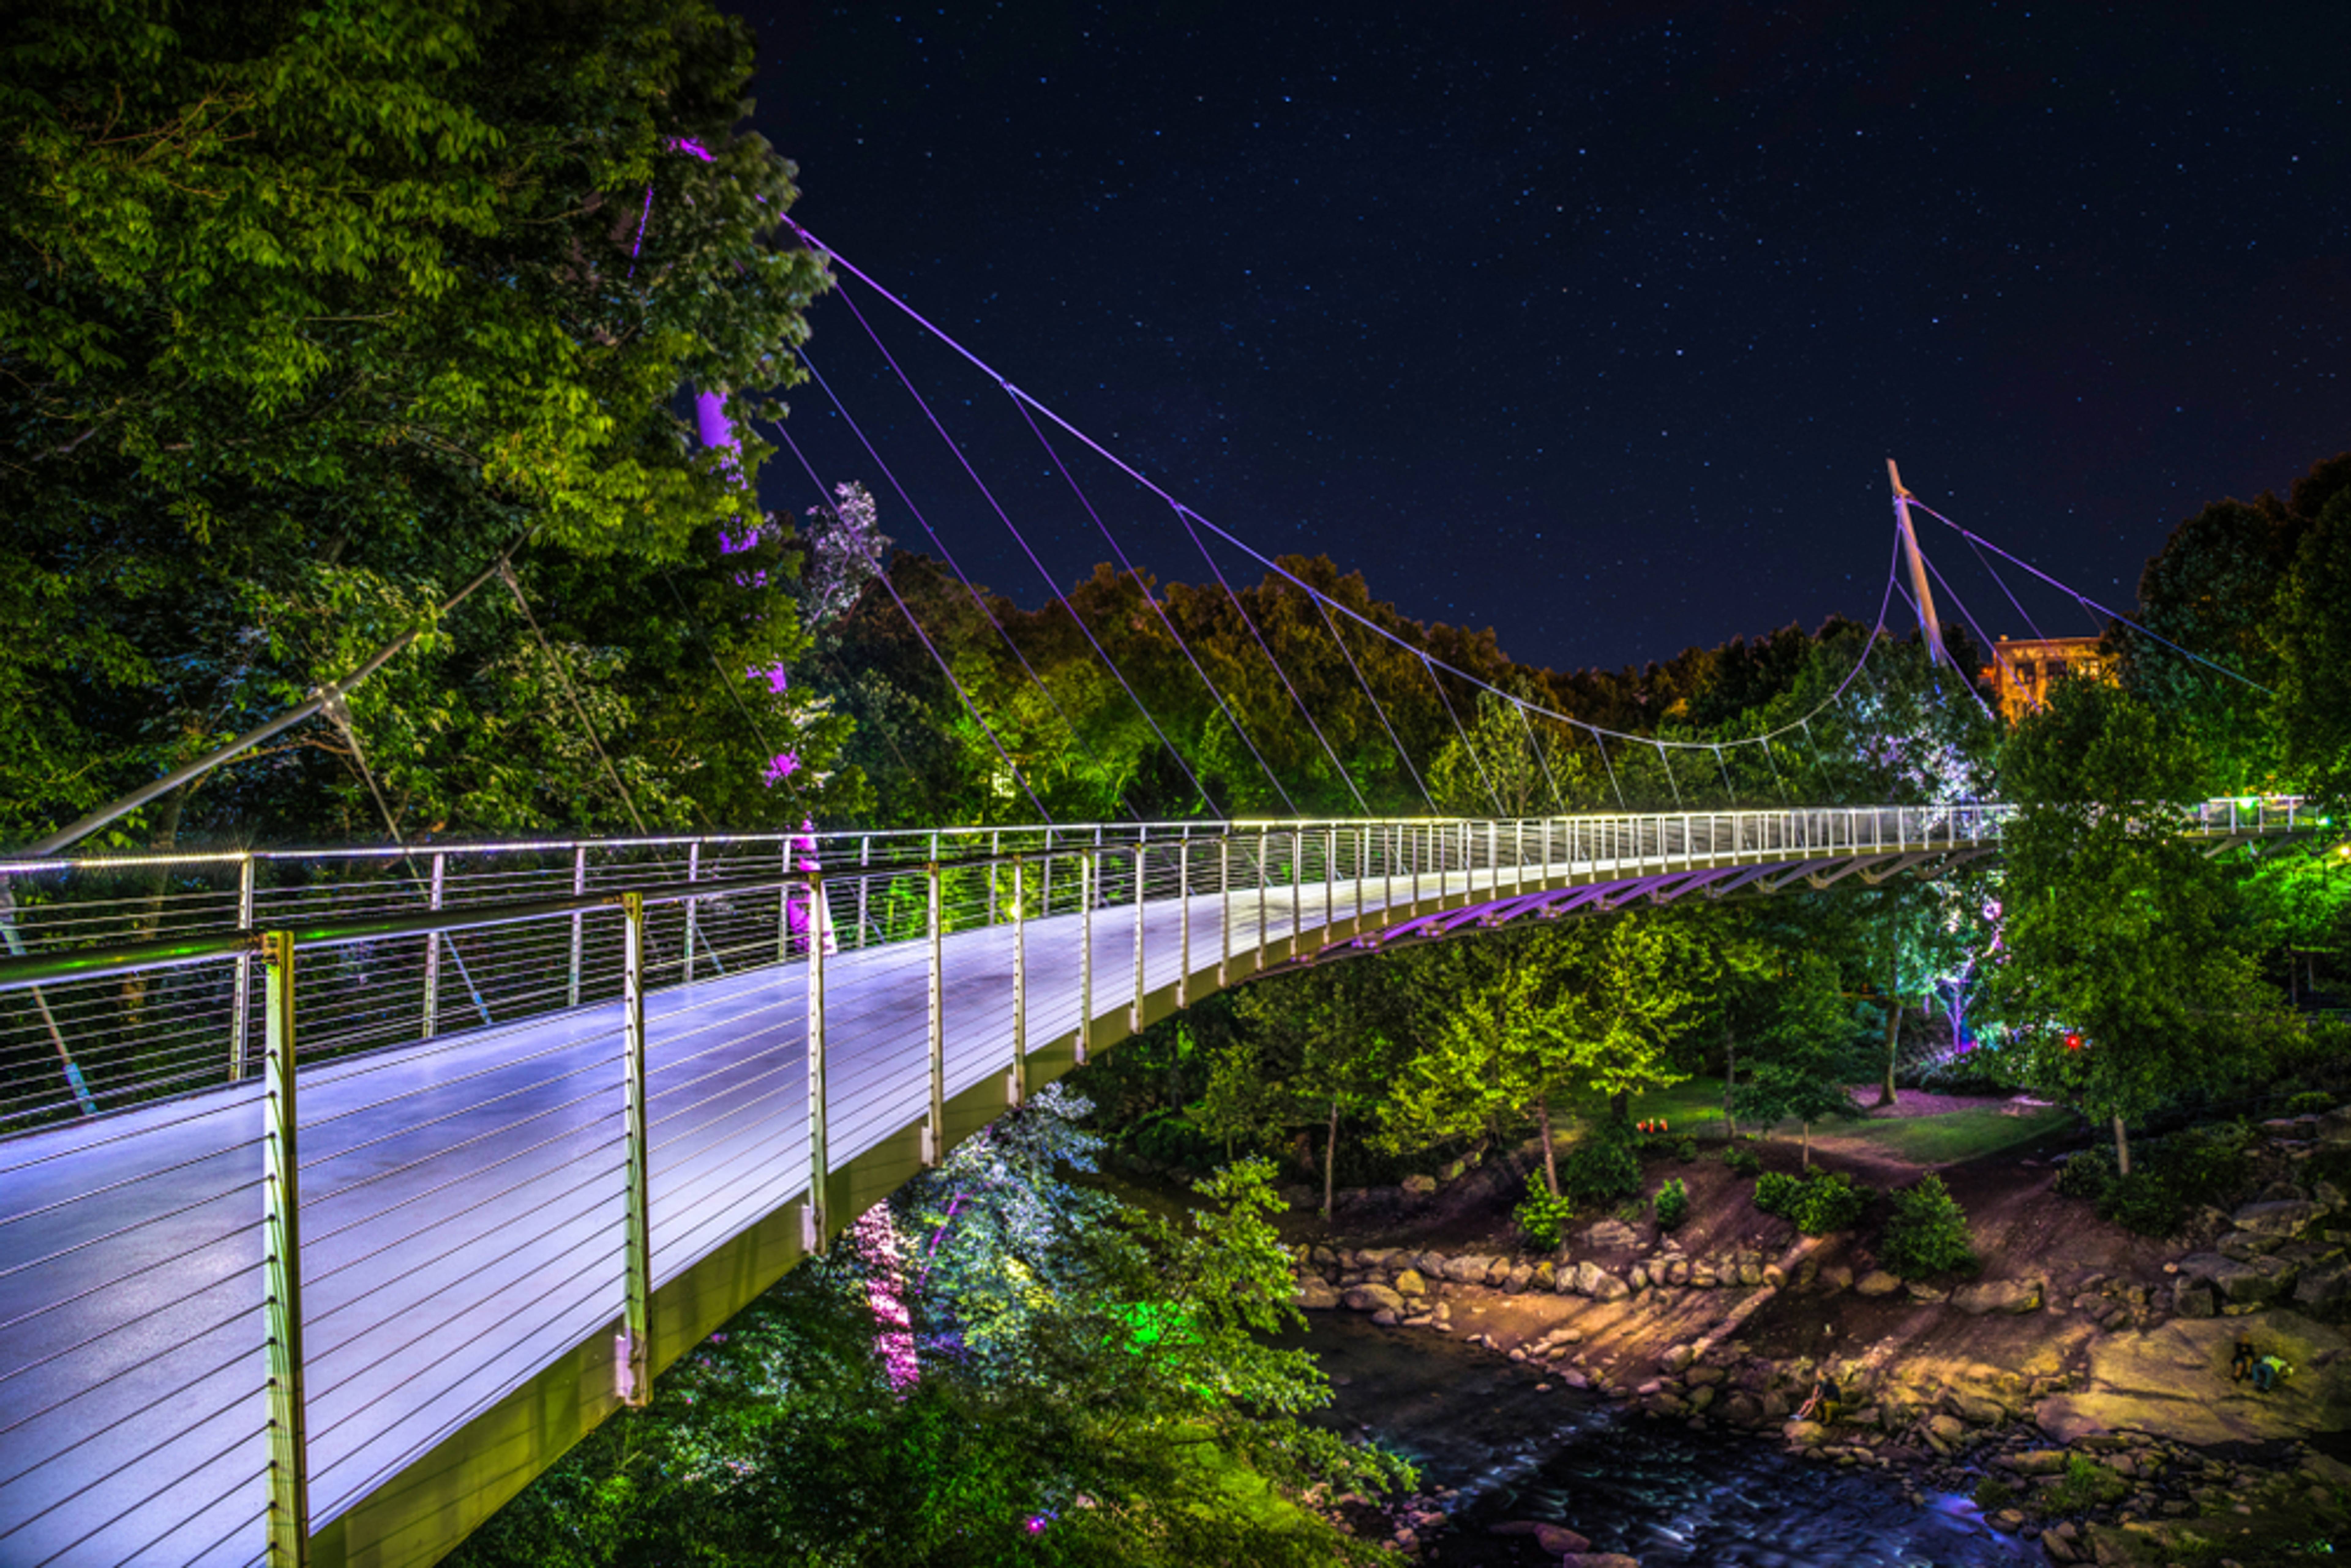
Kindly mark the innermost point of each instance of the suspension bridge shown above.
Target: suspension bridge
(342, 1190)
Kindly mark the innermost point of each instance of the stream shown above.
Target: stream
(1653, 1489)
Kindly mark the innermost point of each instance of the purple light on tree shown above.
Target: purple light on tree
(875, 1238)
(845, 551)
(784, 764)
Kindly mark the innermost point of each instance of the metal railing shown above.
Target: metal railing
(538, 1080)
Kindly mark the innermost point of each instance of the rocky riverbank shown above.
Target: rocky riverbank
(2088, 1407)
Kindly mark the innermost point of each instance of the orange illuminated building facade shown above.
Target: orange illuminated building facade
(2021, 672)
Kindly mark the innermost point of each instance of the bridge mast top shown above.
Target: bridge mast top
(1927, 620)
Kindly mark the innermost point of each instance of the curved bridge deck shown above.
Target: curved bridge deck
(503, 1233)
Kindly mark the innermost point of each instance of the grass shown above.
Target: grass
(1694, 1110)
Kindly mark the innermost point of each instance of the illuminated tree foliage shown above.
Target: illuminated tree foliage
(1090, 1385)
(311, 312)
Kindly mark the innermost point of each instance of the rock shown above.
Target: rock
(1998, 1296)
(1612, 1233)
(1375, 1298)
(1410, 1284)
(2036, 1461)
(1519, 1279)
(1315, 1294)
(1975, 1409)
(2284, 1218)
(2173, 1382)
(1386, 1318)
(1774, 1276)
(1926, 1295)
(1558, 1540)
(1699, 1377)
(1638, 1276)
(1597, 1560)
(1431, 1264)
(1323, 1257)
(1803, 1433)
(1834, 1277)
(2324, 1290)
(2194, 1302)
(1950, 1428)
(1877, 1282)
(1586, 1278)
(1742, 1409)
(1469, 1268)
(1750, 1273)
(1703, 1278)
(1678, 1272)
(1419, 1185)
(1497, 1272)
(1676, 1357)
(1701, 1397)
(2240, 1281)
(1608, 1287)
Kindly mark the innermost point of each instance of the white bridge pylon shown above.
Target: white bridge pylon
(413, 1167)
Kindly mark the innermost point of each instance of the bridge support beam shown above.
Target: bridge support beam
(934, 1131)
(281, 1262)
(632, 1368)
(819, 1165)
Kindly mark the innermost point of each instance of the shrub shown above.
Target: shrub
(1993, 1494)
(1603, 1165)
(1776, 1192)
(1742, 1160)
(2086, 1484)
(1928, 1232)
(2143, 1202)
(2311, 1101)
(2206, 1163)
(1685, 1151)
(1830, 1201)
(2088, 1175)
(1543, 1215)
(1672, 1205)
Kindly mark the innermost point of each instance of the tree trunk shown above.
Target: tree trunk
(1331, 1162)
(1621, 1106)
(1550, 1158)
(1729, 1085)
(2122, 1146)
(1808, 1145)
(1893, 1020)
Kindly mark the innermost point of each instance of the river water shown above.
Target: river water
(1653, 1489)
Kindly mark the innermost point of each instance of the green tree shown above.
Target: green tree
(309, 314)
(1802, 1059)
(1316, 1050)
(2120, 975)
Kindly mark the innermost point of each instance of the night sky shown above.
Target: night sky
(1594, 324)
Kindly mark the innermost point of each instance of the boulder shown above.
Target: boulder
(1597, 1560)
(1834, 1277)
(1975, 1409)
(1469, 1268)
(2240, 1281)
(1497, 1271)
(1431, 1264)
(1419, 1185)
(1375, 1298)
(1386, 1318)
(1609, 1287)
(1701, 1397)
(2324, 1290)
(1315, 1294)
(1546, 1276)
(1638, 1276)
(1774, 1276)
(1585, 1280)
(1803, 1433)
(1950, 1428)
(1877, 1282)
(2194, 1302)
(1998, 1296)
(2335, 1127)
(1678, 1272)
(1676, 1357)
(1411, 1284)
(1750, 1273)
(2283, 1221)
(2172, 1382)
(1699, 1377)
(1559, 1541)
(1519, 1279)
(2036, 1461)
(1612, 1233)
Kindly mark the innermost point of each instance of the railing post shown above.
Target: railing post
(1015, 1087)
(1184, 921)
(693, 907)
(1045, 880)
(864, 859)
(281, 1262)
(995, 848)
(433, 952)
(1134, 1017)
(633, 1365)
(1296, 886)
(784, 902)
(935, 1136)
(1264, 845)
(1329, 877)
(1088, 874)
(1224, 909)
(819, 1168)
(579, 890)
(242, 1004)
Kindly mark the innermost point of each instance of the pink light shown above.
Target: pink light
(688, 145)
(875, 1238)
(785, 764)
(779, 681)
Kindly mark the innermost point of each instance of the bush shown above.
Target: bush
(2311, 1103)
(2208, 1164)
(1603, 1165)
(1776, 1192)
(1742, 1160)
(1543, 1215)
(1672, 1205)
(2143, 1202)
(1685, 1151)
(1928, 1232)
(2088, 1175)
(1830, 1201)
(2086, 1484)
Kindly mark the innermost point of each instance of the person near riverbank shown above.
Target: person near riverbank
(2240, 1361)
(2269, 1372)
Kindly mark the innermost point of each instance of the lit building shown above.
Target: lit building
(2021, 672)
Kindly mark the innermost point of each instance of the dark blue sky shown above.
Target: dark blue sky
(1594, 324)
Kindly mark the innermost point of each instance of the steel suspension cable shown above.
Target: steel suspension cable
(1967, 615)
(1185, 515)
(2086, 602)
(1401, 755)
(940, 545)
(514, 588)
(1542, 759)
(882, 572)
(1475, 760)
(1108, 663)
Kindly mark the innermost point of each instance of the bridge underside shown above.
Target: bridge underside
(447, 1183)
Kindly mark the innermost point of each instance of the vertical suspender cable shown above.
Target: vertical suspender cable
(1474, 761)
